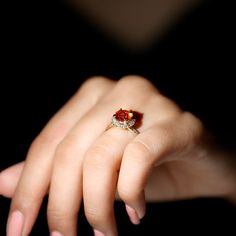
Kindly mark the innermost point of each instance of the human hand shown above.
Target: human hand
(73, 158)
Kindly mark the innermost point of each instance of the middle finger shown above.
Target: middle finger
(67, 170)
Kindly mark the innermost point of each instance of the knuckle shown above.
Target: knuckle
(90, 87)
(95, 217)
(93, 82)
(25, 199)
(194, 128)
(135, 80)
(46, 139)
(140, 151)
(59, 215)
(127, 194)
(64, 150)
(37, 145)
(66, 153)
(98, 156)
(132, 78)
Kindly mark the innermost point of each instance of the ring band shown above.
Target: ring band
(124, 119)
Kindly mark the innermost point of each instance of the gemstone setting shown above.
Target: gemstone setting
(123, 119)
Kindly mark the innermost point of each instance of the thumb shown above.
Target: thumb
(9, 179)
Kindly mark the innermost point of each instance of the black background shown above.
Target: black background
(48, 50)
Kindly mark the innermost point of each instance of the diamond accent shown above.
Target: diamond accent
(123, 124)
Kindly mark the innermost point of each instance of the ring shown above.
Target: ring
(125, 119)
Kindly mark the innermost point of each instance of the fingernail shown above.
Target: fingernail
(132, 215)
(56, 233)
(98, 233)
(15, 224)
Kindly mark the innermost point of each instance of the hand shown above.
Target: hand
(73, 158)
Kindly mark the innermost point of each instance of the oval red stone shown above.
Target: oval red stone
(122, 115)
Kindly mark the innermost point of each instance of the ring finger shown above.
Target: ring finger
(100, 174)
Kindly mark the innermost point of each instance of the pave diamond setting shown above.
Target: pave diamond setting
(123, 119)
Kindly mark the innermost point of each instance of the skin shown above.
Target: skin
(74, 157)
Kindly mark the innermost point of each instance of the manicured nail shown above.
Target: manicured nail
(15, 224)
(56, 233)
(98, 233)
(132, 215)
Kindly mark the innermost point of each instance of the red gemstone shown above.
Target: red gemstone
(123, 115)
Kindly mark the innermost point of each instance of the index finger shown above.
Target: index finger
(36, 175)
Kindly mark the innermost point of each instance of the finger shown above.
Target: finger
(34, 181)
(100, 173)
(67, 169)
(164, 142)
(9, 179)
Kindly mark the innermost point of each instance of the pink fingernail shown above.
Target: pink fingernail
(98, 233)
(132, 215)
(56, 233)
(15, 224)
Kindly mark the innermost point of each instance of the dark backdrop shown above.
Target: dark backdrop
(47, 50)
